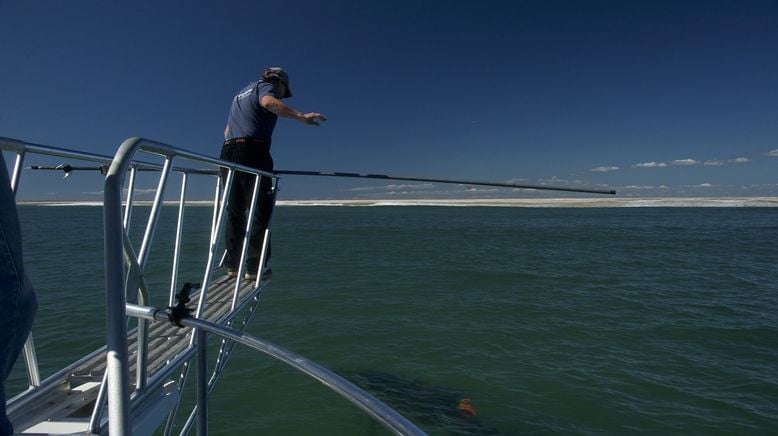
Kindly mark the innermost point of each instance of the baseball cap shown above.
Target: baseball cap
(281, 74)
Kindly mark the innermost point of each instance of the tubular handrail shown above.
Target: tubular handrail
(117, 366)
(124, 159)
(21, 148)
(18, 146)
(121, 260)
(382, 413)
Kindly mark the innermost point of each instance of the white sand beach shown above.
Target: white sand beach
(554, 202)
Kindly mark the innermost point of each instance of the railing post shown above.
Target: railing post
(128, 204)
(151, 226)
(246, 239)
(266, 237)
(31, 359)
(117, 365)
(216, 204)
(202, 383)
(215, 238)
(97, 412)
(177, 248)
(17, 174)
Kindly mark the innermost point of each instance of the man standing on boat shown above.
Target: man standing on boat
(247, 137)
(17, 299)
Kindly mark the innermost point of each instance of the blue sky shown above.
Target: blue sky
(652, 98)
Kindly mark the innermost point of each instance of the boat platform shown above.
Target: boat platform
(66, 405)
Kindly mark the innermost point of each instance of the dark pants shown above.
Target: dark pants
(255, 156)
(17, 299)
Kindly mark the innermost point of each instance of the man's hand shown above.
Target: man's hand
(311, 118)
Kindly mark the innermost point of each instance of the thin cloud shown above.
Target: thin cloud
(690, 162)
(684, 162)
(636, 187)
(718, 163)
(410, 193)
(773, 153)
(604, 169)
(476, 189)
(553, 179)
(642, 187)
(650, 165)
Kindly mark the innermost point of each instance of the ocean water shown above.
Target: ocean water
(470, 320)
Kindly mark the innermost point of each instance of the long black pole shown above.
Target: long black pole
(458, 182)
(68, 168)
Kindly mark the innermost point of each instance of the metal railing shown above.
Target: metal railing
(118, 308)
(117, 368)
(134, 265)
(382, 413)
(21, 149)
(124, 276)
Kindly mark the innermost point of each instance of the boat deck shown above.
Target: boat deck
(70, 401)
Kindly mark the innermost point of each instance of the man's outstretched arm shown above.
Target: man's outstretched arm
(282, 110)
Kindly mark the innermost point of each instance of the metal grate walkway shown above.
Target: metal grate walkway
(70, 403)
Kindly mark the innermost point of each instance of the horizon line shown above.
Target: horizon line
(757, 201)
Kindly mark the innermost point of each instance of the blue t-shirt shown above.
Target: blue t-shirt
(247, 117)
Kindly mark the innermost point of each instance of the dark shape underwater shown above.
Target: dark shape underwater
(430, 406)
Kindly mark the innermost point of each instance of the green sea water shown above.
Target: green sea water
(545, 320)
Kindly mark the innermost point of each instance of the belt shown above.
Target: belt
(246, 140)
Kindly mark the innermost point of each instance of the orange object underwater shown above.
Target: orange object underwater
(466, 407)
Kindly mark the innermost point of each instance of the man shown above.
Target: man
(17, 299)
(247, 137)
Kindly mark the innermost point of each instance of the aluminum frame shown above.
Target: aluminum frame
(124, 276)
